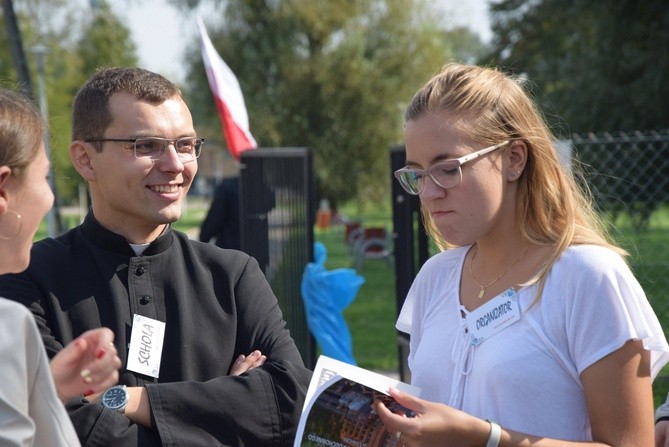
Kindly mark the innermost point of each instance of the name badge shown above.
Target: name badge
(493, 316)
(146, 345)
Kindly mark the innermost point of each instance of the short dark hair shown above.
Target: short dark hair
(91, 115)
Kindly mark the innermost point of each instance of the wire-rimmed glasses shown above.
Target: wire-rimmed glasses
(153, 148)
(447, 173)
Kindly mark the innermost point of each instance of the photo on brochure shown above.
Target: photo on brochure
(339, 408)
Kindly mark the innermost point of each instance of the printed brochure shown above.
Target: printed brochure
(338, 409)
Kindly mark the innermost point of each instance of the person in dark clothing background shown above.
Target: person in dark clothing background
(222, 221)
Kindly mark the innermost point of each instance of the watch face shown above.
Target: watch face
(114, 398)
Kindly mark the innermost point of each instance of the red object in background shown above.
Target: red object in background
(350, 228)
(375, 232)
(323, 218)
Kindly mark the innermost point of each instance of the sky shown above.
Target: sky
(161, 38)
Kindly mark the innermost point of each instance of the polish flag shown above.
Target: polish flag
(228, 97)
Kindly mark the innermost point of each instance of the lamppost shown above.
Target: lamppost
(40, 51)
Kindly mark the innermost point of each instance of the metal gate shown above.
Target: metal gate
(277, 221)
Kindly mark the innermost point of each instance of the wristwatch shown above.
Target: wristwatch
(115, 398)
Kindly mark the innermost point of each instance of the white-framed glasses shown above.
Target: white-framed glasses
(153, 148)
(446, 173)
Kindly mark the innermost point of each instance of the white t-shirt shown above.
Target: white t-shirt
(526, 377)
(30, 411)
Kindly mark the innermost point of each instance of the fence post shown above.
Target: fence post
(410, 247)
(277, 221)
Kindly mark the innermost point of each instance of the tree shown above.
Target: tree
(600, 65)
(77, 42)
(105, 42)
(334, 76)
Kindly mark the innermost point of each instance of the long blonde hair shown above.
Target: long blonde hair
(552, 209)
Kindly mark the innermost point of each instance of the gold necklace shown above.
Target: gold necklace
(483, 288)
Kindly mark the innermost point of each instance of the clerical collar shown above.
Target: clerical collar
(116, 243)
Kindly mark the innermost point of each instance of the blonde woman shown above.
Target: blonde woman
(530, 329)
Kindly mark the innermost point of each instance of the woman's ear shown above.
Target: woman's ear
(517, 159)
(5, 175)
(81, 159)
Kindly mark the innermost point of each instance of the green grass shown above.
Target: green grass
(371, 316)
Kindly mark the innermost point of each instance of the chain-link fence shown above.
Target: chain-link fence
(627, 174)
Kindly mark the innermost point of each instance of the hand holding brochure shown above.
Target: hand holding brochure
(338, 409)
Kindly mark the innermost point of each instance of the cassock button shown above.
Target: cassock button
(146, 299)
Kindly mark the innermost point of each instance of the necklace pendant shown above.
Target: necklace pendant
(481, 293)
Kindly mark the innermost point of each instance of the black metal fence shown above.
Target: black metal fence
(277, 220)
(627, 174)
(411, 248)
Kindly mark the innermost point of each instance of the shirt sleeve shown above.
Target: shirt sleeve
(31, 410)
(605, 305)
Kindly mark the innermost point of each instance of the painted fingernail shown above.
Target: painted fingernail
(88, 392)
(100, 353)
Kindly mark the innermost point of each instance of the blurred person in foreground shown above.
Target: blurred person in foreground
(32, 389)
(530, 329)
(184, 312)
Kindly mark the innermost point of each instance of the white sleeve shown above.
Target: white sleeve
(605, 308)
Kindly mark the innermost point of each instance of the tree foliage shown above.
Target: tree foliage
(334, 76)
(104, 42)
(601, 66)
(78, 42)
